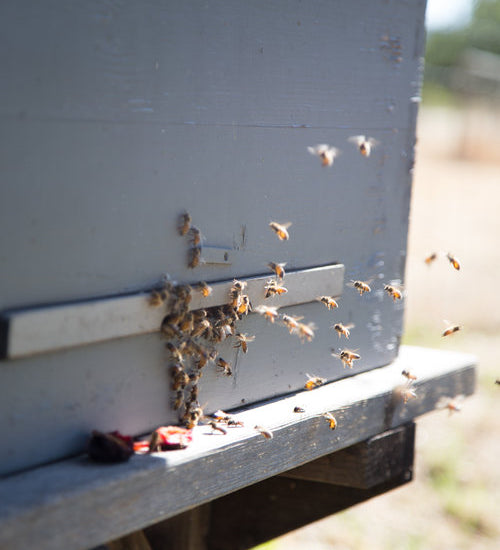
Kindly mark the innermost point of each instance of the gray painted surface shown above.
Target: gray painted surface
(117, 116)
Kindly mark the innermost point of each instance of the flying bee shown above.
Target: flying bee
(409, 375)
(268, 434)
(451, 329)
(272, 288)
(306, 332)
(326, 153)
(279, 269)
(215, 427)
(453, 261)
(332, 421)
(270, 313)
(245, 306)
(184, 223)
(430, 258)
(347, 356)
(225, 366)
(406, 392)
(365, 144)
(205, 289)
(343, 329)
(360, 286)
(299, 410)
(281, 230)
(194, 257)
(394, 292)
(243, 340)
(452, 404)
(291, 322)
(328, 301)
(195, 236)
(313, 381)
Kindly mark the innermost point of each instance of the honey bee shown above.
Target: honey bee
(184, 223)
(281, 230)
(299, 410)
(270, 313)
(169, 329)
(215, 427)
(194, 257)
(360, 286)
(430, 258)
(332, 421)
(225, 366)
(201, 327)
(193, 393)
(306, 332)
(313, 381)
(179, 400)
(406, 392)
(452, 404)
(394, 292)
(279, 269)
(195, 236)
(326, 153)
(245, 306)
(205, 289)
(187, 323)
(158, 297)
(243, 340)
(408, 375)
(343, 329)
(347, 357)
(264, 431)
(179, 378)
(365, 144)
(497, 381)
(272, 288)
(176, 351)
(239, 285)
(328, 301)
(451, 329)
(291, 322)
(453, 261)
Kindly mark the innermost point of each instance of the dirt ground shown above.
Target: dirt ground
(454, 500)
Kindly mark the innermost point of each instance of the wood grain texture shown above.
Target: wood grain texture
(366, 464)
(78, 504)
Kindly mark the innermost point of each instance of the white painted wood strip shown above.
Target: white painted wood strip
(77, 504)
(44, 329)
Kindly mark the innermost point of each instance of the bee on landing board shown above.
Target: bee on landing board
(278, 269)
(453, 261)
(268, 434)
(281, 230)
(328, 301)
(365, 144)
(326, 153)
(360, 286)
(347, 356)
(243, 340)
(343, 330)
(313, 381)
(332, 421)
(450, 329)
(205, 289)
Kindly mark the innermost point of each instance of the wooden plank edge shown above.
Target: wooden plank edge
(54, 505)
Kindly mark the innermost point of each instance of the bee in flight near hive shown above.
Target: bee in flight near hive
(347, 356)
(406, 392)
(225, 366)
(281, 230)
(325, 152)
(278, 269)
(313, 381)
(243, 340)
(430, 259)
(268, 434)
(408, 375)
(332, 421)
(184, 223)
(306, 332)
(453, 404)
(272, 288)
(395, 292)
(360, 286)
(328, 301)
(365, 144)
(450, 329)
(343, 330)
(298, 409)
(291, 322)
(270, 313)
(453, 261)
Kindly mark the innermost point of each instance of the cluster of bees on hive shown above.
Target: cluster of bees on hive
(192, 335)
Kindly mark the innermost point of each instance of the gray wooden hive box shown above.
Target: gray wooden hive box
(118, 117)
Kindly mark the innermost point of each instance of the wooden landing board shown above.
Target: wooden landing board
(42, 329)
(78, 504)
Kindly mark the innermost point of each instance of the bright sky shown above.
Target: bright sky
(448, 13)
